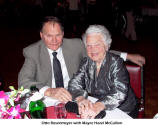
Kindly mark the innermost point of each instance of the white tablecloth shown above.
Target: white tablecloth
(113, 114)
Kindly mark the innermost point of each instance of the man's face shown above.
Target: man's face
(95, 47)
(52, 35)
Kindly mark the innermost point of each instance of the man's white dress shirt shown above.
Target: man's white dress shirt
(63, 68)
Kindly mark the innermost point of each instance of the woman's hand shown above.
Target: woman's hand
(83, 104)
(89, 110)
(93, 110)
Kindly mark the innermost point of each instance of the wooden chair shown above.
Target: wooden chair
(136, 81)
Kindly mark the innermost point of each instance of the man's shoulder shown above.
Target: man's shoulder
(33, 46)
(34, 49)
(72, 40)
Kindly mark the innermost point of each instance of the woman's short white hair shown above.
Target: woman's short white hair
(98, 29)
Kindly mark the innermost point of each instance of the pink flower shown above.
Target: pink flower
(2, 93)
(8, 101)
(14, 112)
(3, 98)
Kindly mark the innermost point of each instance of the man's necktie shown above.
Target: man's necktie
(57, 71)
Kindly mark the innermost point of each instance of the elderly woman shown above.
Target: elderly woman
(101, 75)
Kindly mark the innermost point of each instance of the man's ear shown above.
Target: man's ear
(41, 35)
(63, 33)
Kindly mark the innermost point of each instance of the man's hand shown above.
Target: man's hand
(60, 94)
(136, 58)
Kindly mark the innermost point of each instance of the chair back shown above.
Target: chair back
(136, 81)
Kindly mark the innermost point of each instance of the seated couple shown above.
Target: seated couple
(101, 74)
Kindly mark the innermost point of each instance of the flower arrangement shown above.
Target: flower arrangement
(9, 107)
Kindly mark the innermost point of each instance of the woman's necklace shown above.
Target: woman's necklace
(98, 64)
(98, 67)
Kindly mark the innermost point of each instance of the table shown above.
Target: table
(113, 114)
(51, 115)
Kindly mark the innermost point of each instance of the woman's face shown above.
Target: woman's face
(95, 46)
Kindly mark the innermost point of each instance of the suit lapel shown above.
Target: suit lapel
(45, 62)
(67, 59)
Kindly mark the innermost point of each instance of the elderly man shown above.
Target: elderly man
(51, 57)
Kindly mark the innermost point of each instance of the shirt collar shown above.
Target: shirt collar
(51, 51)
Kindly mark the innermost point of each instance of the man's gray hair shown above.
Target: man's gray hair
(98, 29)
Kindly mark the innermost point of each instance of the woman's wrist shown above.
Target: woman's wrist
(99, 106)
